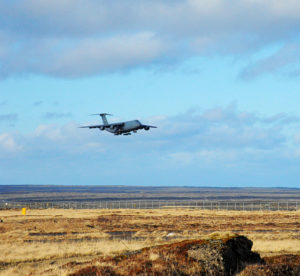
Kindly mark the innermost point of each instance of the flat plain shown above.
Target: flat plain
(90, 194)
(58, 241)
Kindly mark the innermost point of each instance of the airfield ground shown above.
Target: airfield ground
(58, 241)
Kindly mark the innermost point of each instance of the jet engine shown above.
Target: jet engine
(146, 128)
(102, 128)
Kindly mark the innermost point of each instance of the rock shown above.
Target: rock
(222, 257)
(192, 257)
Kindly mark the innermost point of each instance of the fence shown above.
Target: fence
(161, 204)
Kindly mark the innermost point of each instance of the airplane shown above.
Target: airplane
(122, 128)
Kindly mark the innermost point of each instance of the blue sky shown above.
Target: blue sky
(219, 78)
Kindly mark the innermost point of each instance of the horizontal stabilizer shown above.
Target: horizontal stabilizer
(101, 114)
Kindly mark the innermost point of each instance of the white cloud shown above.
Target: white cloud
(288, 8)
(84, 57)
(283, 58)
(94, 56)
(80, 38)
(49, 132)
(8, 143)
(220, 129)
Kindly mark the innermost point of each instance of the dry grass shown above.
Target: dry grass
(17, 252)
(269, 247)
(43, 241)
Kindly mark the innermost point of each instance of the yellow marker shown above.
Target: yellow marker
(24, 211)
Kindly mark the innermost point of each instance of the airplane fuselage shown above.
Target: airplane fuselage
(125, 128)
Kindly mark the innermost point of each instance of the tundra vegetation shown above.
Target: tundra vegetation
(60, 242)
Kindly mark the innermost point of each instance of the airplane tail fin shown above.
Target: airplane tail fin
(103, 116)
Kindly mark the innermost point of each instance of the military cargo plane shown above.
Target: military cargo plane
(122, 128)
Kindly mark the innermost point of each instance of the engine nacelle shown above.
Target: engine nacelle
(146, 128)
(102, 128)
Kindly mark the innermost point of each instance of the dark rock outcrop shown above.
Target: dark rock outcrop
(192, 257)
(220, 257)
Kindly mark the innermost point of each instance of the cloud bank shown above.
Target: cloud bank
(87, 37)
(197, 146)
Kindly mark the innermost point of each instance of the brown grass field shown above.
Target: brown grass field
(58, 242)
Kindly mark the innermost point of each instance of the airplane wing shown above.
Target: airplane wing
(95, 126)
(116, 125)
(149, 126)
